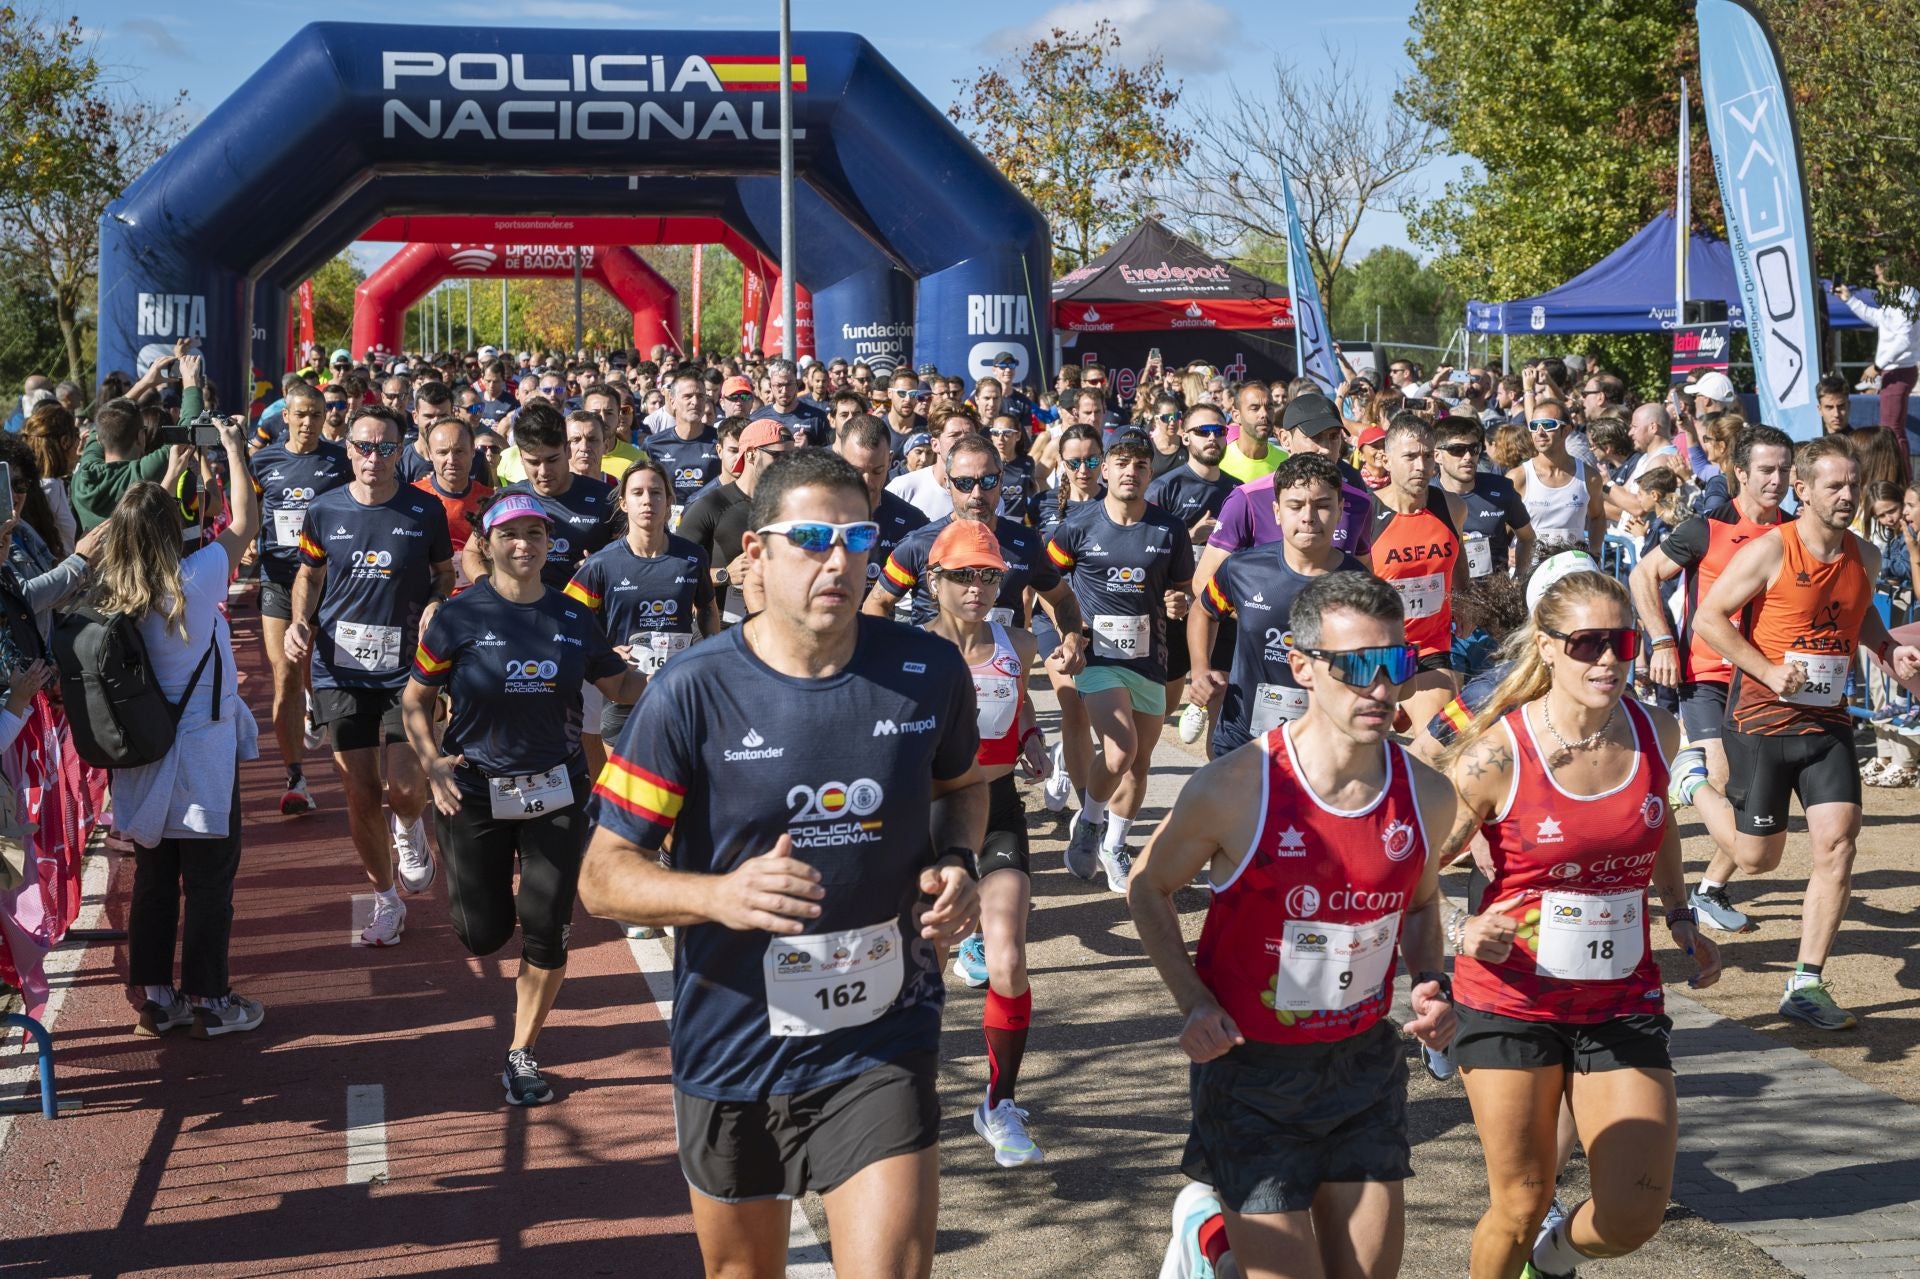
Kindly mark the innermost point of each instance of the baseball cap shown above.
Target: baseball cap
(400, 369)
(1132, 441)
(1552, 569)
(1373, 435)
(1309, 413)
(759, 433)
(489, 352)
(966, 544)
(1006, 360)
(929, 370)
(512, 507)
(340, 356)
(734, 385)
(1715, 386)
(807, 362)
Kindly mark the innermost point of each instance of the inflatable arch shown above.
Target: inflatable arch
(350, 123)
(380, 303)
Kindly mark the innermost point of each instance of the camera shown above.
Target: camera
(203, 432)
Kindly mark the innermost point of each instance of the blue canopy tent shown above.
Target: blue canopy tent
(1631, 291)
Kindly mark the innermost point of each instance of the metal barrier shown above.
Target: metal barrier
(49, 1105)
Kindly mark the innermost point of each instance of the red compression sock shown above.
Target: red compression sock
(1213, 1239)
(1005, 1022)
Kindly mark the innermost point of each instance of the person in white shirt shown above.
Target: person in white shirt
(1897, 350)
(926, 488)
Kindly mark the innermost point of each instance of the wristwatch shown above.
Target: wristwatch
(721, 577)
(1683, 915)
(1445, 982)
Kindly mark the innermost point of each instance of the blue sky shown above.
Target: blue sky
(1211, 45)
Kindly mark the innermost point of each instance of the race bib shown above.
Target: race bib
(374, 649)
(286, 527)
(1826, 678)
(1004, 616)
(1274, 705)
(650, 649)
(1123, 636)
(832, 981)
(1590, 938)
(1422, 596)
(997, 701)
(1479, 555)
(515, 799)
(1332, 967)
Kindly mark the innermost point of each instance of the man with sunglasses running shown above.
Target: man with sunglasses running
(1497, 524)
(1803, 592)
(1131, 565)
(816, 772)
(1561, 493)
(905, 400)
(1299, 1086)
(376, 560)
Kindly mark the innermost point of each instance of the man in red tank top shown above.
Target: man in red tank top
(1701, 548)
(1805, 592)
(1314, 887)
(1415, 547)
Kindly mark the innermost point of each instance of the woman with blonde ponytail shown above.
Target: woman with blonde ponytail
(1555, 983)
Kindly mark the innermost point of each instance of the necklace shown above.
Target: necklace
(1546, 714)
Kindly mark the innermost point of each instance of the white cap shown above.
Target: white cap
(1716, 386)
(1551, 570)
(489, 352)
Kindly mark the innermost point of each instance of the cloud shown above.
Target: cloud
(156, 38)
(1190, 35)
(558, 10)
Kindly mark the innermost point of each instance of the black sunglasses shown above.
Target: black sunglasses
(1461, 450)
(989, 577)
(1586, 646)
(367, 448)
(968, 483)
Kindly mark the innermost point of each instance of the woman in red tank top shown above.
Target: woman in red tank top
(1555, 985)
(966, 568)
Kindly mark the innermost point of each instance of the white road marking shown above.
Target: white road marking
(366, 1134)
(806, 1256)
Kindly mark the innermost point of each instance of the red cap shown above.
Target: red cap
(1373, 435)
(759, 433)
(966, 544)
(734, 385)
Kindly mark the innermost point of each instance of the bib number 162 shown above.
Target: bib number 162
(842, 996)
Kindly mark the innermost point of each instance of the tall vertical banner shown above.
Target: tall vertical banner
(694, 337)
(306, 313)
(1756, 158)
(1682, 208)
(1312, 344)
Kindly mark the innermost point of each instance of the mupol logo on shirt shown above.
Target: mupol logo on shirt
(755, 747)
(887, 728)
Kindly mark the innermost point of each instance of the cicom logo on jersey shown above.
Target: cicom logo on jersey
(1303, 901)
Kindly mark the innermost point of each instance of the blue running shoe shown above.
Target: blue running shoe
(1083, 850)
(970, 961)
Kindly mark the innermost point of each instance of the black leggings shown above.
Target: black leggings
(479, 852)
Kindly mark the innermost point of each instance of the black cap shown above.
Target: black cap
(1134, 440)
(1309, 413)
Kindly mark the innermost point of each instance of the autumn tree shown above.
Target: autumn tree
(1079, 131)
(70, 141)
(1348, 151)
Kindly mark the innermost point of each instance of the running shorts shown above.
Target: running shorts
(1005, 845)
(1764, 771)
(1488, 1041)
(276, 601)
(482, 854)
(780, 1148)
(1703, 710)
(1272, 1123)
(613, 721)
(360, 718)
(1180, 661)
(1148, 698)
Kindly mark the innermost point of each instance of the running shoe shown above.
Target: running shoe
(1058, 787)
(228, 1015)
(388, 922)
(640, 932)
(1716, 910)
(523, 1081)
(157, 1018)
(1813, 1004)
(970, 961)
(1193, 1207)
(1193, 722)
(1083, 850)
(412, 859)
(1118, 863)
(1556, 1219)
(1005, 1128)
(1438, 1063)
(1531, 1271)
(297, 800)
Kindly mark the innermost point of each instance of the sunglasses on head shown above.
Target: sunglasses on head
(1080, 463)
(367, 448)
(1587, 645)
(988, 577)
(1544, 425)
(968, 483)
(819, 537)
(1461, 450)
(1361, 667)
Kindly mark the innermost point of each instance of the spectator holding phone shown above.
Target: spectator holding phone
(121, 453)
(1897, 350)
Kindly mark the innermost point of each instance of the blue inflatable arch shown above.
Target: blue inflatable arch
(349, 122)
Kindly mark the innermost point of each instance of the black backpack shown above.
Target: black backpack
(119, 716)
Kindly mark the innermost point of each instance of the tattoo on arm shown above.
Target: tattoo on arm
(1462, 832)
(1648, 1183)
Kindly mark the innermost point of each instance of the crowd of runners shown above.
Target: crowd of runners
(744, 652)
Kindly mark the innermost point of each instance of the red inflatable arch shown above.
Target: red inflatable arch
(380, 303)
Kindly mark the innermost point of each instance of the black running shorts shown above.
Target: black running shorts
(1765, 771)
(1488, 1041)
(780, 1148)
(1005, 846)
(360, 718)
(276, 601)
(1703, 710)
(1180, 661)
(1272, 1123)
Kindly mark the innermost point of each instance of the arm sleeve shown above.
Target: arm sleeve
(57, 585)
(585, 588)
(642, 788)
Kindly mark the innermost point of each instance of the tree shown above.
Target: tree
(71, 145)
(1347, 152)
(1079, 133)
(333, 286)
(1392, 292)
(30, 340)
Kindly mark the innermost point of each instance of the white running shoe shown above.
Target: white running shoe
(388, 922)
(1005, 1128)
(1193, 722)
(412, 859)
(1058, 787)
(1118, 863)
(1195, 1205)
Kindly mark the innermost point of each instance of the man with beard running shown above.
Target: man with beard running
(1193, 493)
(1804, 592)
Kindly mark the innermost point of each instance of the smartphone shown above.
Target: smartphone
(1458, 377)
(1153, 355)
(1414, 404)
(6, 492)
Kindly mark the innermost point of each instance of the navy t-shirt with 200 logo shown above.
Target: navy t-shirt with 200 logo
(379, 562)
